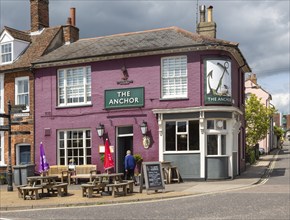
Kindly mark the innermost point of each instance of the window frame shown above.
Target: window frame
(182, 95)
(220, 131)
(84, 86)
(23, 78)
(65, 146)
(180, 133)
(6, 53)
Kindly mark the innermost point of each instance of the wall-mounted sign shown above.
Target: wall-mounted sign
(218, 81)
(102, 149)
(124, 98)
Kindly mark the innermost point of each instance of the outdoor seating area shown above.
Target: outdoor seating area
(106, 184)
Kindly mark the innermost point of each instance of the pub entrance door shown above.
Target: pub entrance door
(124, 143)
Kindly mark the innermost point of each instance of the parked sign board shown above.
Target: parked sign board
(153, 175)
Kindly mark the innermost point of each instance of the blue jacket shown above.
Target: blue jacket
(130, 162)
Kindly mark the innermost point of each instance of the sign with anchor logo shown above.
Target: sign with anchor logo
(218, 82)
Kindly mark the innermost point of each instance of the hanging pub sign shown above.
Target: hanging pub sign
(124, 98)
(218, 81)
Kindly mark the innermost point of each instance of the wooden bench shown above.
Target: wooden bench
(84, 172)
(61, 171)
(61, 189)
(20, 191)
(130, 184)
(116, 186)
(30, 192)
(89, 188)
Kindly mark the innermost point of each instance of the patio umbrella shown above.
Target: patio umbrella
(108, 160)
(43, 165)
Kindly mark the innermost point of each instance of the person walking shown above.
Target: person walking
(130, 164)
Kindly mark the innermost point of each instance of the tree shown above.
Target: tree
(257, 117)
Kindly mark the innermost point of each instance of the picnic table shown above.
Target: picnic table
(111, 181)
(36, 183)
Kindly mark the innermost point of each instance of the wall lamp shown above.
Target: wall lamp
(144, 127)
(100, 130)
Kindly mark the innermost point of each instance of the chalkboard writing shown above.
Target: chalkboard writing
(153, 175)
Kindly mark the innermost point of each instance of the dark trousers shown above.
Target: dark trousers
(129, 174)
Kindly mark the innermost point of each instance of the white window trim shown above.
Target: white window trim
(179, 133)
(65, 145)
(9, 62)
(219, 133)
(65, 104)
(16, 91)
(162, 90)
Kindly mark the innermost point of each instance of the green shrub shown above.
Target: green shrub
(138, 158)
(252, 156)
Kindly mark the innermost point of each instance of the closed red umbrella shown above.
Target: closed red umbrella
(108, 160)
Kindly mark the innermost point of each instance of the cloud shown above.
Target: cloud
(281, 101)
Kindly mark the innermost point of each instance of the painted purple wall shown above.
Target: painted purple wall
(145, 72)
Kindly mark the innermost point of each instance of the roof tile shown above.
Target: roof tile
(158, 39)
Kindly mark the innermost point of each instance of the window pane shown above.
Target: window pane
(182, 142)
(193, 135)
(212, 145)
(77, 142)
(125, 130)
(170, 136)
(174, 77)
(74, 85)
(181, 126)
(210, 124)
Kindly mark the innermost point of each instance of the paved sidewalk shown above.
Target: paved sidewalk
(253, 174)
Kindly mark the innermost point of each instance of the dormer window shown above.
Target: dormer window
(6, 53)
(12, 44)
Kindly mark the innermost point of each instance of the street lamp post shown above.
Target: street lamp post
(9, 173)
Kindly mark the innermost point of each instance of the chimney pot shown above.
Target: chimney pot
(202, 13)
(73, 16)
(209, 14)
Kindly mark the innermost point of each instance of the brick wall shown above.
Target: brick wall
(70, 33)
(39, 14)
(9, 88)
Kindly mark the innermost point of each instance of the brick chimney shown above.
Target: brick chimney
(70, 31)
(206, 28)
(39, 14)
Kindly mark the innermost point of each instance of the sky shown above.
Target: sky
(261, 27)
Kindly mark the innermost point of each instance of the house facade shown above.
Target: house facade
(17, 50)
(186, 88)
(252, 87)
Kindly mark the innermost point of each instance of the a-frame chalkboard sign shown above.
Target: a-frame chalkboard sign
(152, 175)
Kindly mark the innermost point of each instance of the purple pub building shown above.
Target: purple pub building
(185, 88)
